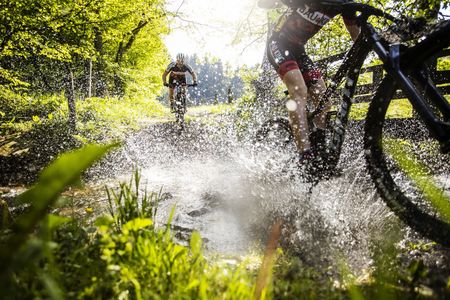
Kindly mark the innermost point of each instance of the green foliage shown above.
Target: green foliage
(117, 44)
(248, 107)
(34, 129)
(334, 38)
(295, 280)
(23, 107)
(129, 204)
(54, 179)
(106, 118)
(443, 63)
(412, 8)
(144, 262)
(98, 118)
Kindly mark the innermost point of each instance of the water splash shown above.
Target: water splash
(232, 191)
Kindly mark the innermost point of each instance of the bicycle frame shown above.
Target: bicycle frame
(397, 76)
(180, 98)
(180, 95)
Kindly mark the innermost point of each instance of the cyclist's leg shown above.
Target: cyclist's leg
(315, 83)
(171, 92)
(183, 83)
(281, 56)
(316, 91)
(317, 137)
(297, 111)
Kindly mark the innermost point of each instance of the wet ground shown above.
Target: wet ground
(220, 182)
(232, 191)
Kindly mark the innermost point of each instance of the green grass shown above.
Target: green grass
(211, 109)
(402, 152)
(34, 129)
(96, 117)
(115, 118)
(400, 108)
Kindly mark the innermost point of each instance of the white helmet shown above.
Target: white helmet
(180, 57)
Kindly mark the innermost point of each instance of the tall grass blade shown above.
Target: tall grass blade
(265, 272)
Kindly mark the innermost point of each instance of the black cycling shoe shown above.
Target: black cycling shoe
(322, 169)
(318, 142)
(306, 163)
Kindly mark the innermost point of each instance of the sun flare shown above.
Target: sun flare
(218, 28)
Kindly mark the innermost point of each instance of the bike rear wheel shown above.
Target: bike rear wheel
(404, 160)
(275, 141)
(276, 131)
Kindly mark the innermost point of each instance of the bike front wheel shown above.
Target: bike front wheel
(405, 162)
(180, 110)
(179, 119)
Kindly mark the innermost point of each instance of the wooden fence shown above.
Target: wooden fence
(364, 92)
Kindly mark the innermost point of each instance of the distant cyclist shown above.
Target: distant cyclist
(286, 52)
(177, 75)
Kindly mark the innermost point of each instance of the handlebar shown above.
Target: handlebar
(350, 6)
(367, 11)
(181, 84)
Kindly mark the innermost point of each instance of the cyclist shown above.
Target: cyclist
(286, 52)
(177, 71)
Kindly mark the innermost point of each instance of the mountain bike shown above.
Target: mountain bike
(408, 159)
(179, 103)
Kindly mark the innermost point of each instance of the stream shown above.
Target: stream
(229, 190)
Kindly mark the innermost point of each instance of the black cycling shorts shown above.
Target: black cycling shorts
(285, 57)
(177, 80)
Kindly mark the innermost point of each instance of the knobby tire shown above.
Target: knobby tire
(404, 195)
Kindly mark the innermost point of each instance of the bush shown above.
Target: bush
(23, 107)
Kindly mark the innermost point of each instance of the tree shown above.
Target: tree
(214, 80)
(82, 47)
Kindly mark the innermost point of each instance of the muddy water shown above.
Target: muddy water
(231, 192)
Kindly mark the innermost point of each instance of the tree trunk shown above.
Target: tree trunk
(90, 79)
(124, 46)
(99, 70)
(87, 80)
(265, 84)
(70, 94)
(230, 95)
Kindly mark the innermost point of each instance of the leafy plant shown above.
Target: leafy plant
(128, 204)
(18, 247)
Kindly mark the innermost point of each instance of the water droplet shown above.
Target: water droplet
(291, 105)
